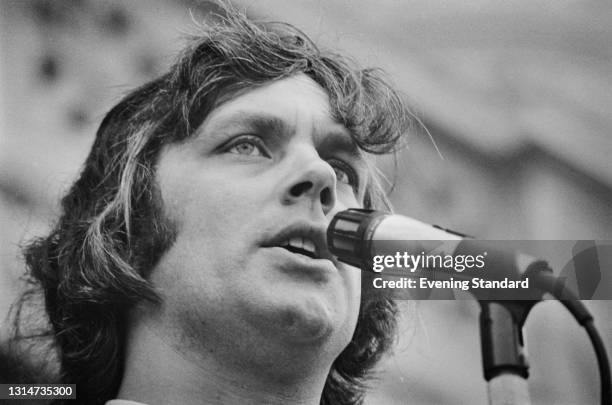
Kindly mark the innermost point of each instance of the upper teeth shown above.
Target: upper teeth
(301, 243)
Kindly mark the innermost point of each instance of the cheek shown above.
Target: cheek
(206, 206)
(346, 198)
(354, 281)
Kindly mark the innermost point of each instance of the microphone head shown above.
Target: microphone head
(349, 235)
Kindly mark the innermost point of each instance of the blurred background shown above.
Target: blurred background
(516, 94)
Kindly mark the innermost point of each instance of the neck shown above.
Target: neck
(159, 370)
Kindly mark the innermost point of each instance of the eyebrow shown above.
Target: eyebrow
(257, 121)
(341, 141)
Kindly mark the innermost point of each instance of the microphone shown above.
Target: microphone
(357, 237)
(397, 245)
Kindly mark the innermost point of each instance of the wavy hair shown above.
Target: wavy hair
(93, 266)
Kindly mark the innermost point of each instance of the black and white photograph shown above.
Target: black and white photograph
(265, 202)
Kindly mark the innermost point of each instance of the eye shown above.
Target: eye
(345, 173)
(247, 145)
(341, 175)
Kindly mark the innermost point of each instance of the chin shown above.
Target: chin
(312, 320)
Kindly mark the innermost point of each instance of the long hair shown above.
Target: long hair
(93, 266)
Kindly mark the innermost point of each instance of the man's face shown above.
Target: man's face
(251, 194)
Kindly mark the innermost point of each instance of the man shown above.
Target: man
(190, 263)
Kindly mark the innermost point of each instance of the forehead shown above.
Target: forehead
(296, 102)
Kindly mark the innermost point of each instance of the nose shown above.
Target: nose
(313, 183)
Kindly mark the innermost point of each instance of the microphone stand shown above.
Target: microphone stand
(502, 317)
(504, 361)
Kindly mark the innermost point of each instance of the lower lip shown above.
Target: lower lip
(302, 262)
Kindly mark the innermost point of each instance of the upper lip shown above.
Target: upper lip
(309, 232)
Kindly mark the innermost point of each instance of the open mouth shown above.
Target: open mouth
(303, 246)
(301, 239)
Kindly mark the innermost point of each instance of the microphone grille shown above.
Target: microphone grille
(349, 235)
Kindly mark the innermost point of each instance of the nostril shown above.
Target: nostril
(310, 190)
(326, 197)
(301, 188)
